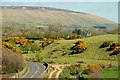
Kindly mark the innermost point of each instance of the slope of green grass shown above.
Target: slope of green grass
(93, 54)
(110, 73)
(54, 52)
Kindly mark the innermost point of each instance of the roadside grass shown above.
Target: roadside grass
(110, 73)
(74, 60)
(29, 55)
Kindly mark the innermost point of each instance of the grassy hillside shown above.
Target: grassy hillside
(34, 16)
(54, 52)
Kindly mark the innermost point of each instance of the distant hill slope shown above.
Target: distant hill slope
(46, 16)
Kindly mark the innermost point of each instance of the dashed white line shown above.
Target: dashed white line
(38, 67)
(35, 71)
(32, 76)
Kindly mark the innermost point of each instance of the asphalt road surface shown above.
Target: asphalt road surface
(35, 70)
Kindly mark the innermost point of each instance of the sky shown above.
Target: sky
(59, 0)
(104, 8)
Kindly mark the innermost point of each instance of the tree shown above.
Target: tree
(25, 48)
(35, 47)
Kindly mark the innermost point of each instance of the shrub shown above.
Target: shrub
(35, 47)
(93, 70)
(79, 47)
(61, 39)
(76, 37)
(105, 44)
(73, 71)
(116, 51)
(113, 45)
(46, 42)
(10, 46)
(11, 62)
(26, 48)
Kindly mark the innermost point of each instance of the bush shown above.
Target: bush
(46, 42)
(116, 51)
(79, 47)
(114, 45)
(10, 46)
(76, 37)
(61, 39)
(26, 48)
(11, 61)
(105, 44)
(94, 70)
(73, 72)
(35, 47)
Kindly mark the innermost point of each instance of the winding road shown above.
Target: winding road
(35, 70)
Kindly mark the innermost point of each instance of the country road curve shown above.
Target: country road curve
(35, 70)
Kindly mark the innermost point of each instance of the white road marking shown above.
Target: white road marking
(38, 67)
(35, 71)
(32, 76)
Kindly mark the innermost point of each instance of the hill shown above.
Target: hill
(46, 16)
(53, 53)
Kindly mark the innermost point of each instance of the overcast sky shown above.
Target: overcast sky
(59, 0)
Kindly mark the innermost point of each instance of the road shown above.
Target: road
(35, 70)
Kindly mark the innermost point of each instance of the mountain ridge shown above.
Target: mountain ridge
(46, 16)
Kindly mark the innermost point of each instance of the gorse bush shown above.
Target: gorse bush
(79, 47)
(10, 46)
(94, 70)
(76, 37)
(18, 42)
(116, 51)
(46, 41)
(114, 44)
(105, 44)
(115, 48)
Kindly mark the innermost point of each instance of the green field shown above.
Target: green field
(111, 73)
(54, 52)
